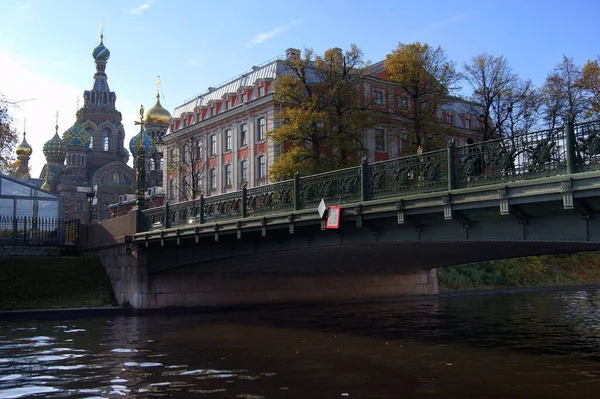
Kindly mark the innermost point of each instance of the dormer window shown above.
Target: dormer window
(261, 91)
(226, 104)
(212, 110)
(449, 119)
(242, 98)
(468, 123)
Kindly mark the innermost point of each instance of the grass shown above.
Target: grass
(53, 282)
(546, 270)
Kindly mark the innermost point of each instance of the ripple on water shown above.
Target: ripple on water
(123, 350)
(25, 391)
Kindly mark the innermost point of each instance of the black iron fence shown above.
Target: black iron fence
(39, 231)
(551, 152)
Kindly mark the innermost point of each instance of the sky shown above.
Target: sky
(46, 45)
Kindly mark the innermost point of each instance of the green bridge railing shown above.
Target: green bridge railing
(566, 150)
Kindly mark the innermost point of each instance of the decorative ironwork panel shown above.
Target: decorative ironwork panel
(223, 206)
(519, 157)
(154, 217)
(587, 139)
(334, 187)
(273, 198)
(180, 213)
(412, 174)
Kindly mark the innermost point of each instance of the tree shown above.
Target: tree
(563, 98)
(427, 77)
(8, 139)
(322, 108)
(590, 82)
(494, 86)
(521, 104)
(187, 165)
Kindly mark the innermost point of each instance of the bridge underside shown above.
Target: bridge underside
(381, 244)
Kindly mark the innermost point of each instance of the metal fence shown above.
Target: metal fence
(551, 152)
(39, 231)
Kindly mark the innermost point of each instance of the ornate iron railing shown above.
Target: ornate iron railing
(569, 149)
(415, 173)
(587, 143)
(39, 231)
(519, 157)
(337, 187)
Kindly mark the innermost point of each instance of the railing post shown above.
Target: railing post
(244, 201)
(570, 142)
(167, 219)
(364, 180)
(202, 209)
(451, 165)
(297, 183)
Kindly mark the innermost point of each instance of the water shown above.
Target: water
(536, 345)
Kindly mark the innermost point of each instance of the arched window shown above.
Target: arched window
(106, 140)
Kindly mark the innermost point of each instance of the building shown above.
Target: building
(217, 141)
(87, 166)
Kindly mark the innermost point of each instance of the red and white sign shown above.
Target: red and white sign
(333, 217)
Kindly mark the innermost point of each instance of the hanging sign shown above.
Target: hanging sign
(333, 217)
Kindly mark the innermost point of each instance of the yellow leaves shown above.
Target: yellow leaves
(295, 159)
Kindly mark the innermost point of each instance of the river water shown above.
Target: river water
(533, 345)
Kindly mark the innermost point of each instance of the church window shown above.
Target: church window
(115, 178)
(106, 140)
(104, 98)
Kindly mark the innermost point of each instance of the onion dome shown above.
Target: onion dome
(101, 53)
(24, 149)
(55, 148)
(141, 141)
(76, 136)
(157, 115)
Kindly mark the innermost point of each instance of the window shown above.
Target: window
(242, 98)
(213, 144)
(243, 134)
(227, 175)
(227, 104)
(105, 140)
(199, 151)
(261, 91)
(228, 140)
(79, 206)
(403, 103)
(244, 171)
(261, 167)
(213, 178)
(172, 188)
(379, 140)
(449, 119)
(186, 152)
(378, 94)
(468, 123)
(212, 111)
(260, 129)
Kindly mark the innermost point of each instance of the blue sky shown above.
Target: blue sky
(46, 45)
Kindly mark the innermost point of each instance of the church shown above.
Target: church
(87, 166)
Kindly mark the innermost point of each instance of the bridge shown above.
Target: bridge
(530, 194)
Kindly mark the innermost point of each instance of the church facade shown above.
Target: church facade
(88, 166)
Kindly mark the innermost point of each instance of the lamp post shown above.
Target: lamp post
(139, 148)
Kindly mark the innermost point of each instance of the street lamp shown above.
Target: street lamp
(139, 146)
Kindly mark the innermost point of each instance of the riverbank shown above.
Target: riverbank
(53, 282)
(533, 271)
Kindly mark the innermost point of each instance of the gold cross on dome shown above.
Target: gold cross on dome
(101, 30)
(158, 83)
(56, 122)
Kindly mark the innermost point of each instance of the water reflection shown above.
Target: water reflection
(519, 346)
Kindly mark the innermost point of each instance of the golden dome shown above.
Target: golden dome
(157, 115)
(24, 149)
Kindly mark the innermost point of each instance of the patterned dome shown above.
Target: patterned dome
(24, 149)
(55, 148)
(141, 139)
(101, 53)
(76, 136)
